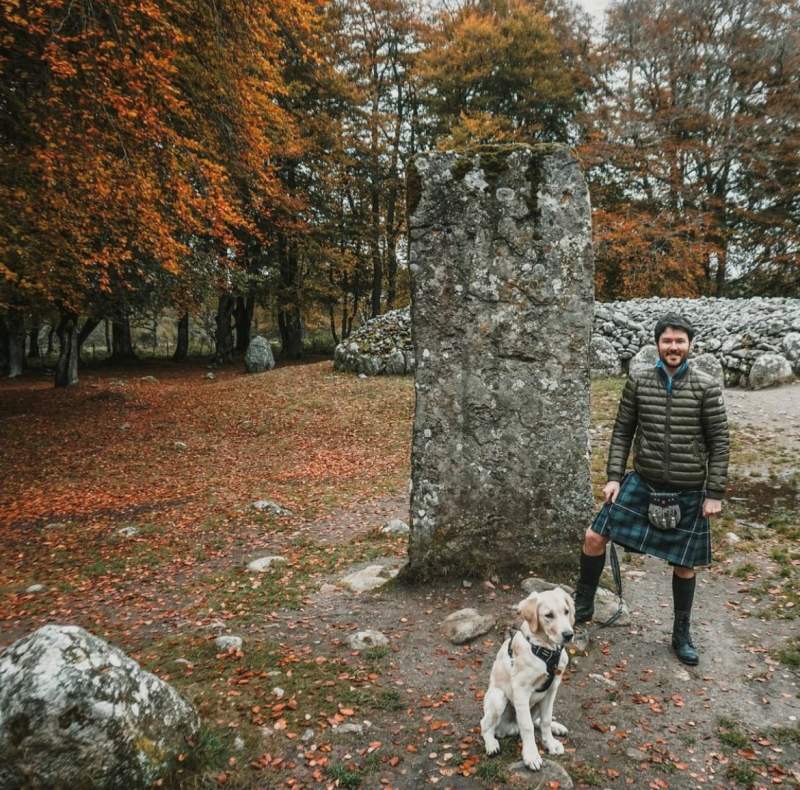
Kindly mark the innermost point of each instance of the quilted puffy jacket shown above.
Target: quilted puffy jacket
(680, 439)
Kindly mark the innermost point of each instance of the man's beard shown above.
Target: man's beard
(680, 356)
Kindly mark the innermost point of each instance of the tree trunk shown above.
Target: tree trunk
(290, 322)
(224, 331)
(122, 346)
(3, 345)
(244, 318)
(109, 343)
(33, 348)
(87, 329)
(182, 346)
(67, 365)
(15, 344)
(377, 264)
(332, 318)
(720, 273)
(290, 325)
(50, 335)
(393, 228)
(391, 256)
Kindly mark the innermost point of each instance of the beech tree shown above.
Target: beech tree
(692, 145)
(506, 69)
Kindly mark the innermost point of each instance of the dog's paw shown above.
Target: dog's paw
(532, 760)
(511, 728)
(555, 747)
(559, 729)
(492, 746)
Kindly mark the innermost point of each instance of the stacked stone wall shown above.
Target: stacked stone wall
(735, 331)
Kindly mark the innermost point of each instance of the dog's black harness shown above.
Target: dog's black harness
(551, 658)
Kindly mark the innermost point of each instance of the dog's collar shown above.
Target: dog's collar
(551, 657)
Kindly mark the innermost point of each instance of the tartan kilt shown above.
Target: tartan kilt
(626, 523)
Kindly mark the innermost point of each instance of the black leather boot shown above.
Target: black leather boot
(682, 639)
(584, 602)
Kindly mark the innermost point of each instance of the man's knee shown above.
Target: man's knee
(683, 573)
(593, 543)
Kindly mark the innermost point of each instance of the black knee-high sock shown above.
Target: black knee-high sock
(591, 569)
(683, 592)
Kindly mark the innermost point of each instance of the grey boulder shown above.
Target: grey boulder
(790, 345)
(769, 370)
(603, 359)
(77, 712)
(259, 357)
(710, 364)
(645, 357)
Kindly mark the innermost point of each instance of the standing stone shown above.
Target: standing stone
(259, 357)
(502, 296)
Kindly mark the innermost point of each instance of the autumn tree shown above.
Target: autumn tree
(692, 145)
(134, 136)
(505, 69)
(97, 177)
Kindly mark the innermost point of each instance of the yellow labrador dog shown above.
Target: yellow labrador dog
(527, 673)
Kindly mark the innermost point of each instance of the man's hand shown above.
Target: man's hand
(712, 507)
(611, 491)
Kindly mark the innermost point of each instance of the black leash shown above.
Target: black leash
(615, 570)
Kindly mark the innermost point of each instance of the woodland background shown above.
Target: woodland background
(168, 157)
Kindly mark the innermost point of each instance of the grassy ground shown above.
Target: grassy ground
(180, 459)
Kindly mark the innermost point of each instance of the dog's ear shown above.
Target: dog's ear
(570, 606)
(529, 609)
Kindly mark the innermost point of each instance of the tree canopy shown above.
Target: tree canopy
(171, 153)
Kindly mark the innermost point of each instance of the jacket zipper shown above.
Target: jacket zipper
(667, 437)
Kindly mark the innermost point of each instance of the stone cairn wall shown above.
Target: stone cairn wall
(501, 272)
(736, 332)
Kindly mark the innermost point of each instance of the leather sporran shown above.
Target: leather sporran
(664, 510)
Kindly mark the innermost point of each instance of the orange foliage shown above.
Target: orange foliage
(130, 129)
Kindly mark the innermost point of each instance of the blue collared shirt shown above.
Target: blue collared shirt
(669, 379)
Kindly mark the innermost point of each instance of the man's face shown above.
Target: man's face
(673, 347)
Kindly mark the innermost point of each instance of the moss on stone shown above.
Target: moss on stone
(493, 159)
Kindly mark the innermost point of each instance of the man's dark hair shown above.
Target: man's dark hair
(673, 321)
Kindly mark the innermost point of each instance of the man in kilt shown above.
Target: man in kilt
(674, 417)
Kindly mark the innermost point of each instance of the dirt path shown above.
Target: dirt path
(637, 717)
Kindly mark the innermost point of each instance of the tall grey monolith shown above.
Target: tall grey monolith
(502, 297)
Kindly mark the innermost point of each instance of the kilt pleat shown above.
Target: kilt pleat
(626, 523)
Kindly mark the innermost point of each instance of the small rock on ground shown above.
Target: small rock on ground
(263, 564)
(346, 729)
(366, 639)
(228, 642)
(273, 508)
(551, 774)
(35, 588)
(606, 604)
(369, 578)
(537, 584)
(467, 624)
(395, 527)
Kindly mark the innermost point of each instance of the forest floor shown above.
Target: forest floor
(181, 458)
